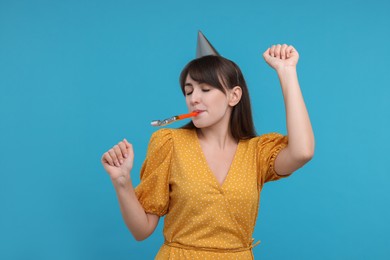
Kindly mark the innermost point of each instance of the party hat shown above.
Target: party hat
(204, 47)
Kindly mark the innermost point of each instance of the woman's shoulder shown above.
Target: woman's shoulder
(269, 136)
(173, 133)
(263, 139)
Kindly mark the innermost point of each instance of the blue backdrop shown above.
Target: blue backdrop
(78, 76)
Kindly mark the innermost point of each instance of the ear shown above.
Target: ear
(235, 95)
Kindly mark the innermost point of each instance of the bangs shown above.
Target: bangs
(204, 70)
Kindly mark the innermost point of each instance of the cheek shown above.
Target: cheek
(220, 101)
(187, 101)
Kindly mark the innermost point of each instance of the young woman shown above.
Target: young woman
(206, 177)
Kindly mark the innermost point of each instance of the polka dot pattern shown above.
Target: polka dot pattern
(204, 219)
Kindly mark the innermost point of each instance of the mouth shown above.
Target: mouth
(198, 111)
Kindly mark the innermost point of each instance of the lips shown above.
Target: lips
(198, 111)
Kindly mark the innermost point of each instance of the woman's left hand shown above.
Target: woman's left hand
(281, 56)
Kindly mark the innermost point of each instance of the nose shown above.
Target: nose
(196, 97)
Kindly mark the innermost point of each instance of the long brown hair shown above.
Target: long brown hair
(223, 74)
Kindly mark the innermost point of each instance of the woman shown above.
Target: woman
(206, 177)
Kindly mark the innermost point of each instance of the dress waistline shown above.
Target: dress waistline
(209, 249)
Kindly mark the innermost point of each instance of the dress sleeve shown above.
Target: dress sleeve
(268, 148)
(153, 190)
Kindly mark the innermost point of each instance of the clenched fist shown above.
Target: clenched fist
(118, 161)
(281, 56)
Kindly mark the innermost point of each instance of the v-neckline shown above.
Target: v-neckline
(210, 172)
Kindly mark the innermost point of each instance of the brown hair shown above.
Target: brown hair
(223, 74)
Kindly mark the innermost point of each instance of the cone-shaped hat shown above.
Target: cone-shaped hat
(204, 47)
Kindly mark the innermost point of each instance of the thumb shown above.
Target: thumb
(129, 147)
(126, 143)
(266, 55)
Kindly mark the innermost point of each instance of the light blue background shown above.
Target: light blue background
(78, 76)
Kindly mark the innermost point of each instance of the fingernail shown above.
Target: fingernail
(121, 161)
(126, 155)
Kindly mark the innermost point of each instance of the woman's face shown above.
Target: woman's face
(211, 102)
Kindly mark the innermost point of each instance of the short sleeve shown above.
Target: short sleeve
(268, 147)
(153, 190)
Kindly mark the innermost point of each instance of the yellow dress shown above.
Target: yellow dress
(203, 219)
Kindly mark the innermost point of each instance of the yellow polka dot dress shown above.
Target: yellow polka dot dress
(203, 219)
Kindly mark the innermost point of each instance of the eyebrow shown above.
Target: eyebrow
(188, 84)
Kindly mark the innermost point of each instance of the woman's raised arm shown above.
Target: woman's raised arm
(300, 148)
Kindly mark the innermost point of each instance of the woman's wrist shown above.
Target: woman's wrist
(287, 71)
(288, 78)
(122, 182)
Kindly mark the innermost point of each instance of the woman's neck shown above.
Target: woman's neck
(220, 137)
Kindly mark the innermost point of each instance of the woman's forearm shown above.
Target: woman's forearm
(299, 129)
(140, 223)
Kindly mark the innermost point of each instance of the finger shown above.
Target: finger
(107, 159)
(283, 53)
(289, 50)
(272, 51)
(266, 54)
(127, 143)
(114, 158)
(129, 148)
(277, 50)
(122, 146)
(294, 51)
(118, 152)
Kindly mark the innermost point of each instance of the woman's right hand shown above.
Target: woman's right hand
(118, 161)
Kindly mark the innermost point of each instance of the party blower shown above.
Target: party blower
(173, 119)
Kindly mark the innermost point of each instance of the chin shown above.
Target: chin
(198, 124)
(201, 124)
